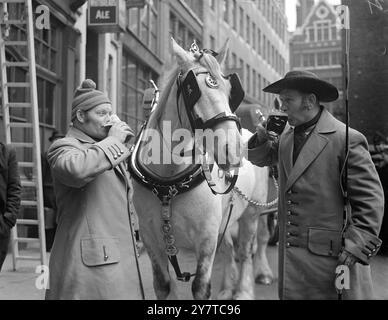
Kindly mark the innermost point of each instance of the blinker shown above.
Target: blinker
(237, 93)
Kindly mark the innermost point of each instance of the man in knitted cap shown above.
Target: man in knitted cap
(310, 153)
(93, 255)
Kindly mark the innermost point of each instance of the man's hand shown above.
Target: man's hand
(261, 134)
(346, 258)
(121, 131)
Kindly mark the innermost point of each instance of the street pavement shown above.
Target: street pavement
(21, 284)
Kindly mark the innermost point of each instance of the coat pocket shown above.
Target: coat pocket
(100, 251)
(324, 242)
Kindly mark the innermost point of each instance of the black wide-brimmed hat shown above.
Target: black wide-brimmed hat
(306, 82)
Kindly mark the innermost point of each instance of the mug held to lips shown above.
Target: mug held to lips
(115, 119)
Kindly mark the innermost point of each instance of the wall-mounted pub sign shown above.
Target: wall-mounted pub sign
(107, 15)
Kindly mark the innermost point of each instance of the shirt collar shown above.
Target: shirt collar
(304, 126)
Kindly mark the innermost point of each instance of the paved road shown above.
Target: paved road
(20, 285)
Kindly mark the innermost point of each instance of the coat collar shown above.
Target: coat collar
(79, 135)
(310, 151)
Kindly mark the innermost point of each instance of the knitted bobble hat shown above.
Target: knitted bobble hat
(87, 97)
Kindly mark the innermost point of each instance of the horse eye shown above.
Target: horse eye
(211, 82)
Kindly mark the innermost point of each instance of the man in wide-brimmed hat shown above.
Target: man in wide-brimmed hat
(314, 239)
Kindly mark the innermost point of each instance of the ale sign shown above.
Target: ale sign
(106, 15)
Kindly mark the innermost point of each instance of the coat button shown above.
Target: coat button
(288, 234)
(115, 157)
(288, 245)
(289, 202)
(289, 223)
(289, 213)
(289, 192)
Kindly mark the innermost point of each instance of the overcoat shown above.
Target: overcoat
(93, 254)
(10, 192)
(311, 210)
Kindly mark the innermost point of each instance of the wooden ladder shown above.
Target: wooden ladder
(23, 132)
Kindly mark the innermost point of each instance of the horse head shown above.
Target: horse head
(210, 98)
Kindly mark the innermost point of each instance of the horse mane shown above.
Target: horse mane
(209, 63)
(164, 94)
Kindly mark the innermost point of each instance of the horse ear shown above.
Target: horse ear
(223, 52)
(181, 55)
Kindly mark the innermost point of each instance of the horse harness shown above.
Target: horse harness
(167, 190)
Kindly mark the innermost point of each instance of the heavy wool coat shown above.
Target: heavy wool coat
(93, 254)
(311, 210)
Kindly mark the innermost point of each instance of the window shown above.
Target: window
(254, 36)
(234, 60)
(268, 51)
(181, 34)
(248, 84)
(259, 41)
(195, 5)
(310, 34)
(212, 4)
(234, 14)
(323, 59)
(297, 60)
(143, 23)
(265, 47)
(308, 60)
(336, 57)
(241, 22)
(323, 29)
(261, 5)
(259, 85)
(212, 43)
(254, 89)
(225, 8)
(248, 34)
(135, 79)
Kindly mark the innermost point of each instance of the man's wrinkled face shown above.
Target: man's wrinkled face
(293, 103)
(95, 121)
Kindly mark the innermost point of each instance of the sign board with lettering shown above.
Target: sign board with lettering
(136, 3)
(107, 15)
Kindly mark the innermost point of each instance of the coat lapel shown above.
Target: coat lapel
(287, 148)
(311, 150)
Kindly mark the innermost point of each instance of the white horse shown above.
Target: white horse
(248, 227)
(181, 211)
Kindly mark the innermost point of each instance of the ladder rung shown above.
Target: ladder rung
(20, 125)
(17, 84)
(23, 144)
(15, 43)
(27, 258)
(26, 164)
(16, 64)
(28, 203)
(19, 105)
(26, 240)
(26, 183)
(14, 22)
(28, 222)
(14, 1)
